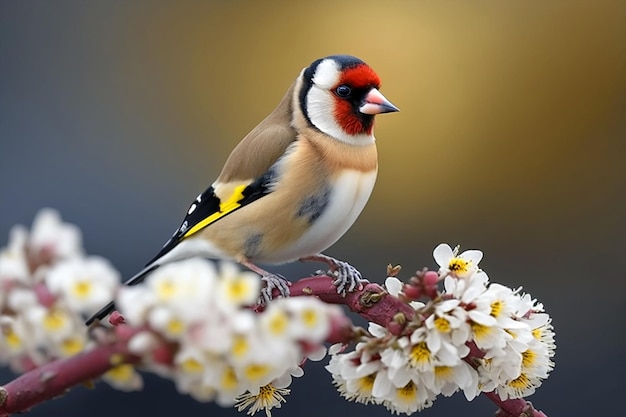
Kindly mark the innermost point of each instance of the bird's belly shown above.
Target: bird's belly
(346, 200)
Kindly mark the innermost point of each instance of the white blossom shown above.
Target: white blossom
(85, 284)
(53, 239)
(406, 372)
(236, 288)
(268, 396)
(124, 377)
(225, 352)
(455, 264)
(13, 261)
(221, 349)
(46, 284)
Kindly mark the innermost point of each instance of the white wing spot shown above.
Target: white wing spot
(192, 208)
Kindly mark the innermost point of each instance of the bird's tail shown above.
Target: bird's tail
(136, 279)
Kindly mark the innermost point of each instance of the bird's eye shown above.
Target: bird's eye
(343, 91)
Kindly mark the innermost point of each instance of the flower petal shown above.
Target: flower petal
(442, 254)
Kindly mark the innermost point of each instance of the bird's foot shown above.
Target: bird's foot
(272, 282)
(346, 277)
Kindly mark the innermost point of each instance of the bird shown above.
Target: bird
(294, 185)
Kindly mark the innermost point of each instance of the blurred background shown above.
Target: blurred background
(510, 139)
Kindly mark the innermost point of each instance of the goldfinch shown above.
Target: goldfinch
(295, 184)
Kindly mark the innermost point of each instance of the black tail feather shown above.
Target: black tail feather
(136, 279)
(104, 311)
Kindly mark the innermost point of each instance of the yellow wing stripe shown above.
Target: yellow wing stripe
(226, 207)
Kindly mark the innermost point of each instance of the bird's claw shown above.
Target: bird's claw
(347, 278)
(273, 281)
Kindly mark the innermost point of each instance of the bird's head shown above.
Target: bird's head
(339, 96)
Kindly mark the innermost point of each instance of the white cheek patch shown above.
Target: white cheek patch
(326, 74)
(320, 105)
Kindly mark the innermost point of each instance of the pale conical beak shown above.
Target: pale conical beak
(375, 103)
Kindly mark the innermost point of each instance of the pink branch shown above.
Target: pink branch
(513, 408)
(372, 302)
(55, 378)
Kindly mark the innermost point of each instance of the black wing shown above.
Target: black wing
(207, 208)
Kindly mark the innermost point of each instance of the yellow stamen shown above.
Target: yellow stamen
(528, 358)
(54, 320)
(408, 392)
(419, 354)
(458, 265)
(175, 327)
(366, 383)
(191, 366)
(496, 308)
(310, 318)
(278, 323)
(443, 372)
(237, 289)
(255, 371)
(13, 340)
(268, 397)
(480, 331)
(121, 373)
(82, 289)
(266, 392)
(443, 325)
(240, 346)
(72, 346)
(166, 290)
(229, 379)
(520, 382)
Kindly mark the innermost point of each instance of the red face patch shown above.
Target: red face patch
(350, 122)
(359, 77)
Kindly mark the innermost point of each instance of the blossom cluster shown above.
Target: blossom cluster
(473, 336)
(219, 348)
(199, 324)
(47, 285)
